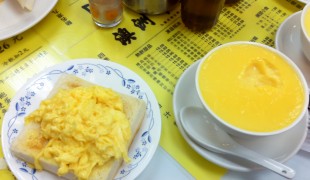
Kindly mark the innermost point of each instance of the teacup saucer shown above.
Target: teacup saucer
(288, 42)
(304, 1)
(280, 147)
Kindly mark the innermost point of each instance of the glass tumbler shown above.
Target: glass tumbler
(106, 13)
(200, 15)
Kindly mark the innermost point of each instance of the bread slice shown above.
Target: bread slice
(26, 4)
(134, 109)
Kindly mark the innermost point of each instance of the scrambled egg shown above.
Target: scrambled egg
(85, 127)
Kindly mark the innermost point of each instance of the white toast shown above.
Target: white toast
(134, 109)
(26, 4)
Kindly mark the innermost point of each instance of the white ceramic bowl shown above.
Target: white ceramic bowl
(304, 36)
(236, 131)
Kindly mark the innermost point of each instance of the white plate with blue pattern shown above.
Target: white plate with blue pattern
(105, 73)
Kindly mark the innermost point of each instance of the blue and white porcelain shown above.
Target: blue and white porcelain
(105, 73)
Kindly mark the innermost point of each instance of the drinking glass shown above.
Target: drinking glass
(200, 15)
(106, 13)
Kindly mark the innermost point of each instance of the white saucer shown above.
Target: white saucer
(279, 147)
(288, 42)
(304, 1)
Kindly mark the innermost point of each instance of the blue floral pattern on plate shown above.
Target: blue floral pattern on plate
(111, 74)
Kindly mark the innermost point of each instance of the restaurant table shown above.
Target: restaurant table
(159, 48)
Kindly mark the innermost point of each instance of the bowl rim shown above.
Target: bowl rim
(237, 129)
(302, 20)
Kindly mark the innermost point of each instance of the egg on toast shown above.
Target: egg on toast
(34, 141)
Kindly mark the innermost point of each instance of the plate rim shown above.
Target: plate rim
(148, 91)
(6, 34)
(301, 61)
(281, 28)
(304, 1)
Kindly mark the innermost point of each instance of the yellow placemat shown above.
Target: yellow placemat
(158, 48)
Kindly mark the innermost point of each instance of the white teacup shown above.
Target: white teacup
(251, 89)
(305, 31)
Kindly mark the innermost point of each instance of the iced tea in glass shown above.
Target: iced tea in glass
(200, 15)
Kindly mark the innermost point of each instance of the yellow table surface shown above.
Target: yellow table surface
(68, 32)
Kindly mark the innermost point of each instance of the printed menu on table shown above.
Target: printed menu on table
(157, 47)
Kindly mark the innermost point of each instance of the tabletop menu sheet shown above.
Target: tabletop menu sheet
(158, 48)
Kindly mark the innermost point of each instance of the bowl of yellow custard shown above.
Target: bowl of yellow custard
(251, 89)
(305, 31)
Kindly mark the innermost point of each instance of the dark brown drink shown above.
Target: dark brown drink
(231, 1)
(200, 15)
